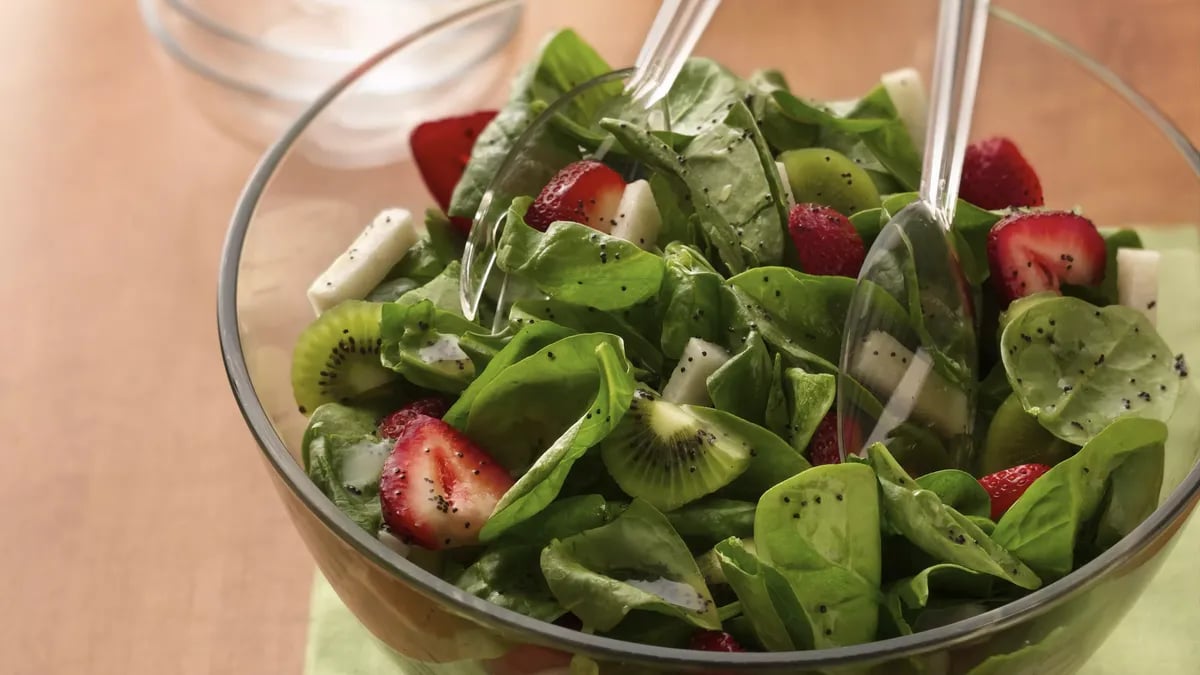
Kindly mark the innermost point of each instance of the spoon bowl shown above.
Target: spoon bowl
(907, 375)
(909, 360)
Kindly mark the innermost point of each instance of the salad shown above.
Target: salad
(643, 444)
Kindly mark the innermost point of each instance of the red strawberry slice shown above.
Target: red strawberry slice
(438, 488)
(393, 425)
(1033, 252)
(441, 149)
(586, 192)
(823, 446)
(1006, 487)
(826, 243)
(714, 641)
(996, 176)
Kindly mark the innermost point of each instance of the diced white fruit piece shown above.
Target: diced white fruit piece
(907, 92)
(897, 376)
(689, 382)
(637, 218)
(1137, 280)
(789, 198)
(368, 260)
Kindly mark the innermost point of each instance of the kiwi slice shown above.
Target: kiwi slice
(1015, 437)
(337, 356)
(824, 176)
(662, 453)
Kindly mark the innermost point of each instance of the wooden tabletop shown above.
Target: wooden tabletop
(138, 533)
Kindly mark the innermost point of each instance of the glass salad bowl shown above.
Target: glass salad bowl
(298, 212)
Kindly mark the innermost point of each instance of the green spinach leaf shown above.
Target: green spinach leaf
(421, 342)
(776, 417)
(889, 143)
(868, 223)
(1077, 367)
(584, 385)
(691, 300)
(573, 263)
(800, 315)
(589, 320)
(731, 180)
(938, 529)
(527, 341)
(699, 97)
(959, 490)
(811, 395)
(443, 291)
(561, 519)
(704, 523)
(820, 529)
(779, 620)
(343, 457)
(742, 385)
(781, 132)
(635, 562)
(730, 170)
(1108, 487)
(905, 598)
(508, 574)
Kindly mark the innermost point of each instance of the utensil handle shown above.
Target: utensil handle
(676, 29)
(961, 28)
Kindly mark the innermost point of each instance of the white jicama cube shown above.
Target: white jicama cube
(688, 383)
(907, 92)
(364, 265)
(907, 384)
(637, 218)
(1137, 280)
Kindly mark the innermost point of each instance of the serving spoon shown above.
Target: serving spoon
(536, 156)
(908, 352)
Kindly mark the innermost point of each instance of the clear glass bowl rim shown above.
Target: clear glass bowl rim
(1178, 503)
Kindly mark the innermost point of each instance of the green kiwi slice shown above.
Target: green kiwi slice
(337, 356)
(662, 453)
(824, 176)
(1015, 437)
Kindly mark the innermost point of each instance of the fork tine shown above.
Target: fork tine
(658, 65)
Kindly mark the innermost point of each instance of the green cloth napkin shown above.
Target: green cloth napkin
(1157, 636)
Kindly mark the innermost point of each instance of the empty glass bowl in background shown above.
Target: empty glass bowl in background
(253, 66)
(298, 212)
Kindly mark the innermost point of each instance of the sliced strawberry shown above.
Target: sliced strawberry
(826, 243)
(1006, 487)
(393, 425)
(823, 446)
(441, 149)
(586, 192)
(714, 641)
(438, 488)
(996, 176)
(1033, 252)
